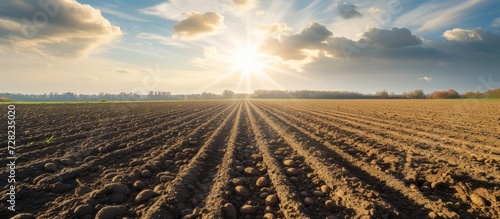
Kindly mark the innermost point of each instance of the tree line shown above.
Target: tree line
(383, 94)
(151, 96)
(227, 94)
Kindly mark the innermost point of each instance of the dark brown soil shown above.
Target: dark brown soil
(257, 159)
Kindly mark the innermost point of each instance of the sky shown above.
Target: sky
(194, 46)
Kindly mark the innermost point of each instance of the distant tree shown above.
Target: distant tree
(468, 94)
(449, 94)
(205, 95)
(494, 93)
(472, 94)
(406, 95)
(227, 94)
(5, 99)
(453, 94)
(383, 94)
(418, 94)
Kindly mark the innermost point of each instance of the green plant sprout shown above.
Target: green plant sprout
(49, 140)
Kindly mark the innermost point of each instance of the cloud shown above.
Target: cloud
(394, 38)
(44, 65)
(126, 71)
(210, 57)
(176, 9)
(317, 41)
(476, 37)
(198, 25)
(244, 4)
(121, 15)
(443, 64)
(198, 60)
(470, 43)
(462, 35)
(374, 10)
(57, 30)
(276, 28)
(425, 78)
(348, 10)
(403, 53)
(162, 39)
(293, 47)
(496, 23)
(210, 52)
(261, 12)
(90, 78)
(434, 15)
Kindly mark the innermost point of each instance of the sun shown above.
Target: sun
(248, 60)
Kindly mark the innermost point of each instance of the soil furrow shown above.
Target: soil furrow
(370, 173)
(397, 129)
(421, 147)
(290, 202)
(174, 198)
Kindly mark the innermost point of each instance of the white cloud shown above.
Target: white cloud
(44, 65)
(162, 39)
(462, 35)
(276, 28)
(58, 31)
(496, 23)
(436, 14)
(90, 78)
(374, 10)
(177, 9)
(443, 64)
(198, 60)
(126, 71)
(198, 25)
(121, 15)
(210, 52)
(210, 57)
(261, 12)
(245, 4)
(425, 78)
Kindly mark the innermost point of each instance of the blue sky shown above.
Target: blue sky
(192, 46)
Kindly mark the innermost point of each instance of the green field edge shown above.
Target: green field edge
(269, 99)
(110, 102)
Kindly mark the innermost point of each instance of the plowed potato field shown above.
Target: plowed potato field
(256, 159)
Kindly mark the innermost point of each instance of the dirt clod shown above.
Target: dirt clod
(330, 205)
(83, 210)
(292, 171)
(478, 200)
(111, 212)
(242, 191)
(145, 195)
(229, 211)
(50, 167)
(248, 209)
(308, 201)
(262, 182)
(117, 188)
(271, 200)
(269, 216)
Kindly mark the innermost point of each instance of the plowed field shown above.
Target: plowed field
(257, 159)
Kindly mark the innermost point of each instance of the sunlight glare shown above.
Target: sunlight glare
(248, 60)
